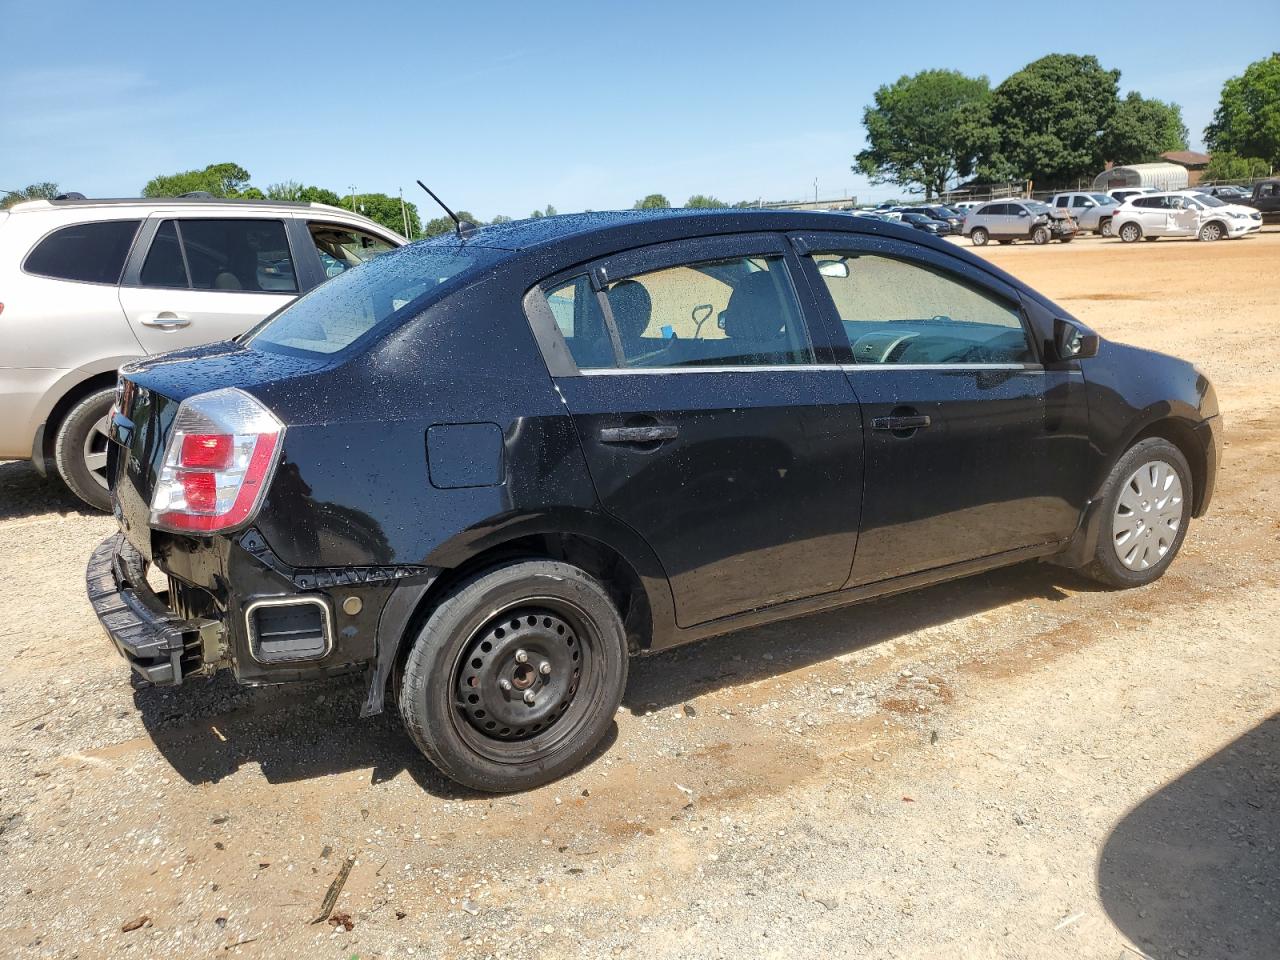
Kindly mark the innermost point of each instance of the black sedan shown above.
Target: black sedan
(926, 223)
(483, 471)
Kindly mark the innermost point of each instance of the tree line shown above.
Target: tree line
(1056, 122)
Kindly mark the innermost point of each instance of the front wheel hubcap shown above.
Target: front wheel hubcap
(519, 673)
(1148, 516)
(95, 452)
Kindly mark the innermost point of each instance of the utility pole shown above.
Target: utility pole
(404, 213)
(815, 189)
(352, 188)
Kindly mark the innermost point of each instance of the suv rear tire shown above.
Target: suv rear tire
(979, 236)
(80, 448)
(1146, 506)
(1130, 233)
(514, 678)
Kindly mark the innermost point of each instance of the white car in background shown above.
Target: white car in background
(1121, 194)
(88, 285)
(1182, 213)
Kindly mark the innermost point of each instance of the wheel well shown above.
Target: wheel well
(596, 558)
(69, 400)
(1183, 437)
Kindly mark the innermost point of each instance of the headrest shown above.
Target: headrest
(632, 307)
(754, 312)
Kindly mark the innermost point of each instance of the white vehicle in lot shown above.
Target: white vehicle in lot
(1121, 194)
(1182, 213)
(88, 285)
(1091, 211)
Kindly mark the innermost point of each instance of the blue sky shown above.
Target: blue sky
(503, 107)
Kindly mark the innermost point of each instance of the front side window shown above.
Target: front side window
(1063, 201)
(87, 252)
(341, 248)
(898, 311)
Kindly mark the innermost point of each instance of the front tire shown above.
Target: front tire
(1130, 233)
(1040, 236)
(979, 236)
(1146, 506)
(515, 676)
(80, 449)
(1212, 231)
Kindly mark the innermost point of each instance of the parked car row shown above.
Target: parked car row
(88, 285)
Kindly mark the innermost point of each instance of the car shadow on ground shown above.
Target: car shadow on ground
(24, 493)
(208, 728)
(1194, 870)
(671, 678)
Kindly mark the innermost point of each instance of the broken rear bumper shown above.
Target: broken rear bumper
(159, 645)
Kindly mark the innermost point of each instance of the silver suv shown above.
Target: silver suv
(88, 285)
(1090, 211)
(1016, 219)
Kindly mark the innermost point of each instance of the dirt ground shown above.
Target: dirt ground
(1013, 765)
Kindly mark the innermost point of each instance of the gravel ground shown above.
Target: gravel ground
(1014, 765)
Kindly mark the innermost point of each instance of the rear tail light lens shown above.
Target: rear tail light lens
(222, 450)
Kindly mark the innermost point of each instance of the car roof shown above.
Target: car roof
(217, 203)
(653, 226)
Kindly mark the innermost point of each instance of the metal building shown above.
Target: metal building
(1161, 176)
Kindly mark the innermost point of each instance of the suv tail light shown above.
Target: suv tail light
(221, 453)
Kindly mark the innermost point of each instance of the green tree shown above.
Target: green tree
(385, 209)
(501, 218)
(1247, 121)
(654, 201)
(744, 204)
(1051, 120)
(700, 201)
(924, 130)
(32, 191)
(443, 225)
(219, 179)
(1141, 129)
(1225, 165)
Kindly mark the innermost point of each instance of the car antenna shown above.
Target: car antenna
(464, 227)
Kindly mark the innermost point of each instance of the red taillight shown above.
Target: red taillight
(218, 462)
(209, 450)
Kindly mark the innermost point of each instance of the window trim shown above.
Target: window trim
(128, 254)
(637, 261)
(132, 275)
(809, 244)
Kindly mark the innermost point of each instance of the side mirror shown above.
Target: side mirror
(1023, 213)
(834, 268)
(1070, 342)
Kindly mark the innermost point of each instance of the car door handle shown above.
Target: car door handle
(166, 320)
(653, 434)
(901, 423)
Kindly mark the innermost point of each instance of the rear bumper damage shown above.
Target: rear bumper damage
(160, 646)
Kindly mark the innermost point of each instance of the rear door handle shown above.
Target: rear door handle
(652, 434)
(166, 320)
(900, 423)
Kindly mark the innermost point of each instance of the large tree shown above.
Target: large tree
(925, 130)
(1051, 119)
(219, 179)
(386, 210)
(700, 201)
(443, 225)
(1225, 165)
(1247, 121)
(1141, 129)
(32, 191)
(654, 201)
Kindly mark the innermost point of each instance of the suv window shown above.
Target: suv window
(341, 248)
(994, 210)
(227, 255)
(900, 311)
(88, 252)
(1062, 201)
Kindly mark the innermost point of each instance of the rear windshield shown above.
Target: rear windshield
(341, 311)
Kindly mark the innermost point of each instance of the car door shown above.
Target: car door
(969, 439)
(1183, 217)
(199, 279)
(709, 420)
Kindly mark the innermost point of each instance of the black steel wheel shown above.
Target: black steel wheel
(515, 676)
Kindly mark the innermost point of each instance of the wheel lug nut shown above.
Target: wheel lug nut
(505, 684)
(545, 668)
(528, 697)
(521, 657)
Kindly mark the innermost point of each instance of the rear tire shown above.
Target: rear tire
(1146, 506)
(1130, 233)
(979, 236)
(496, 722)
(80, 449)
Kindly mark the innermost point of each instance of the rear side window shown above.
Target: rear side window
(249, 256)
(337, 313)
(87, 252)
